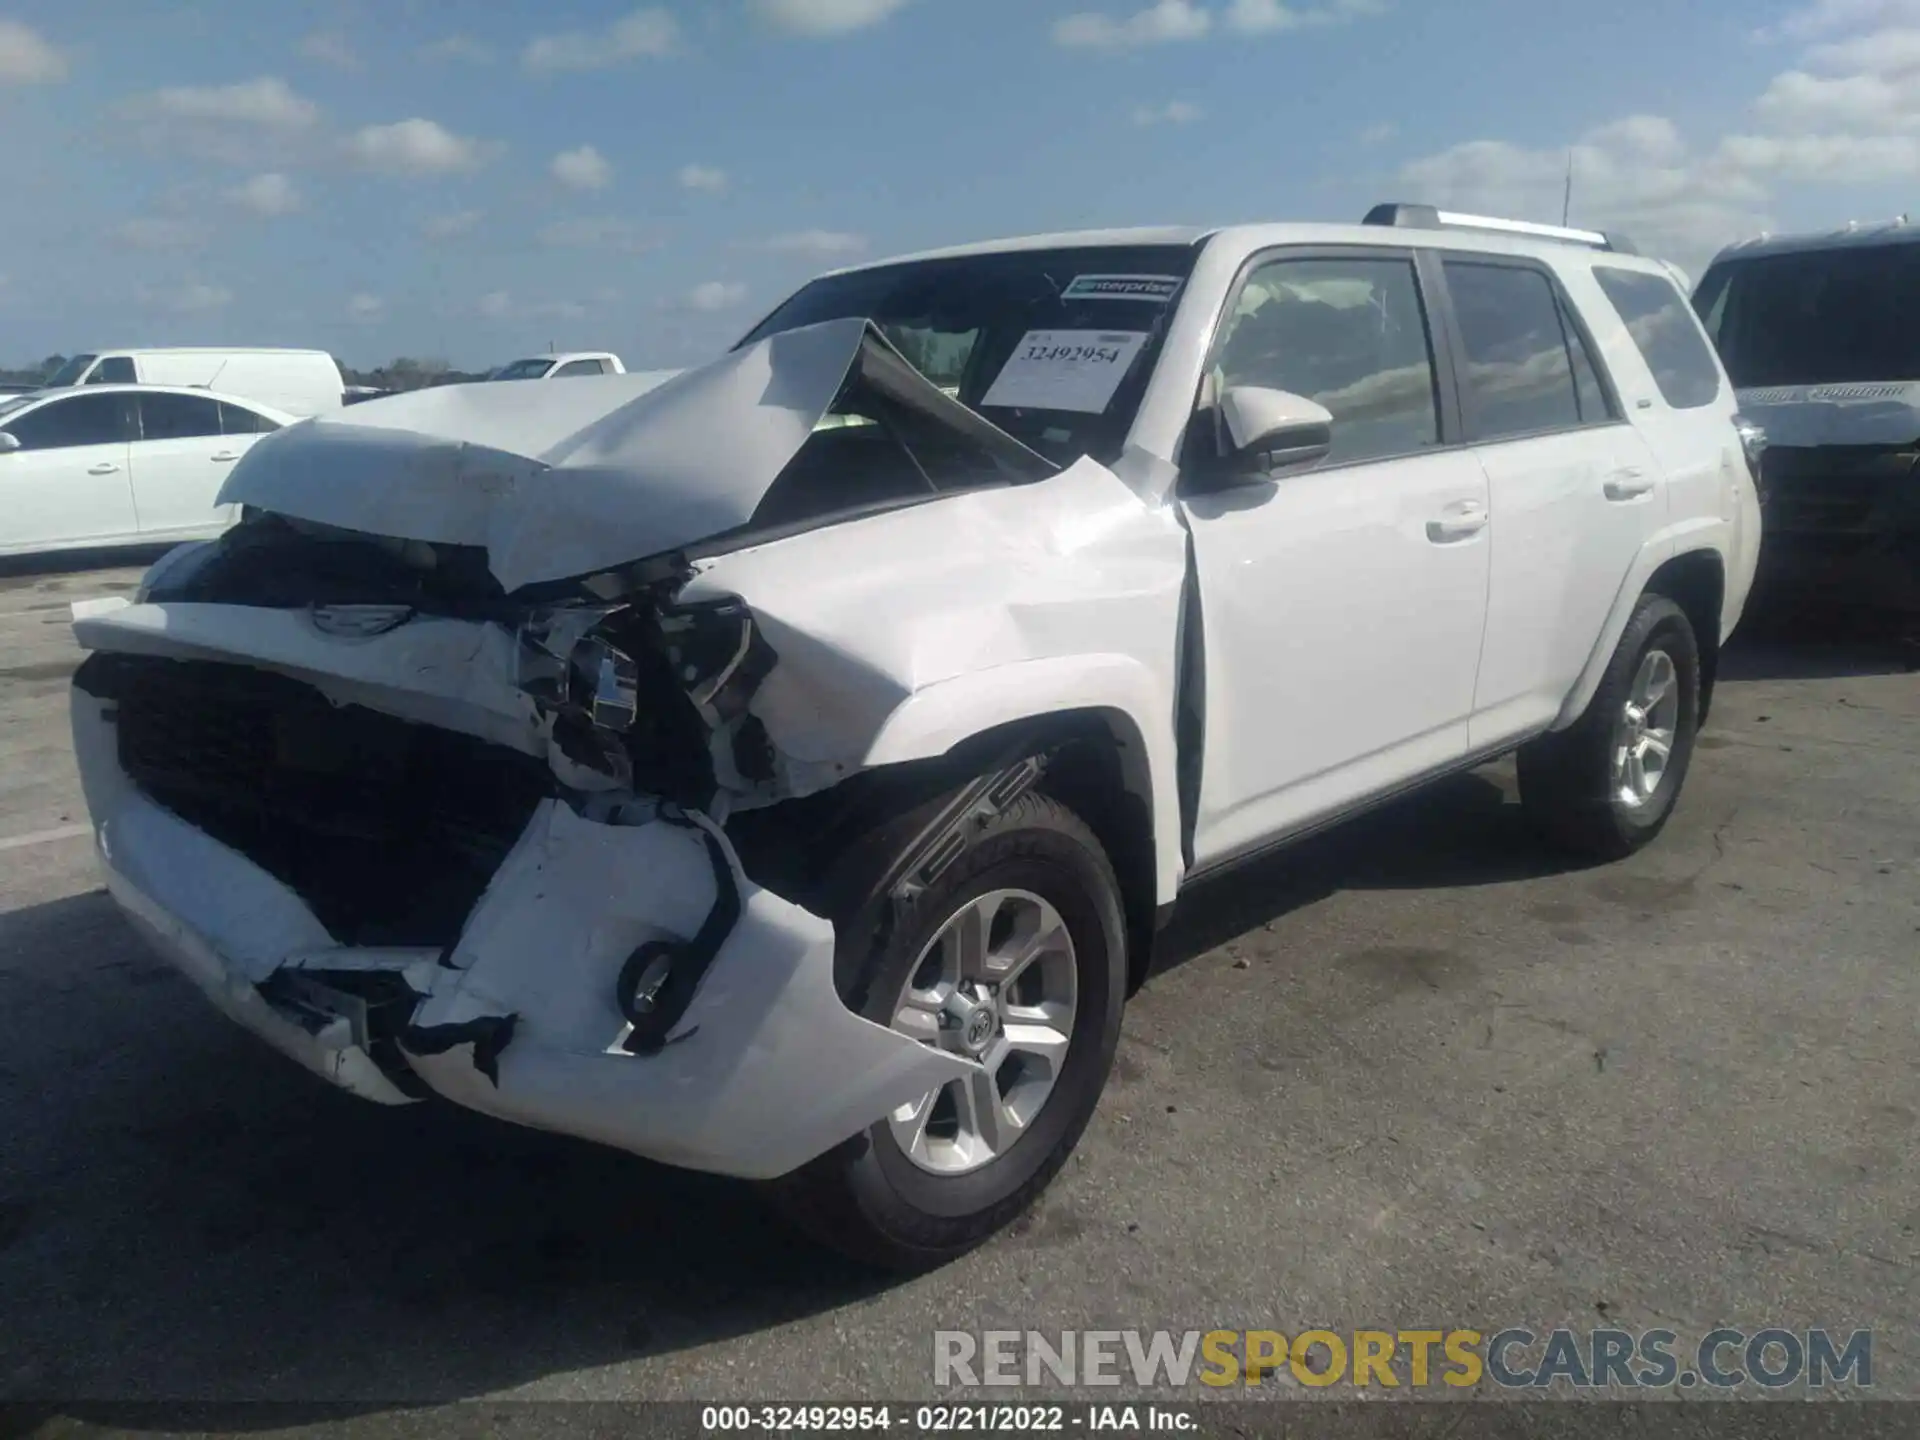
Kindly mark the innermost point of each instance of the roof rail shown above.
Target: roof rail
(1428, 217)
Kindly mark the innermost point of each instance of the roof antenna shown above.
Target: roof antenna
(1566, 200)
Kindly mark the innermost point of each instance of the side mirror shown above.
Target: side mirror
(8, 443)
(1266, 431)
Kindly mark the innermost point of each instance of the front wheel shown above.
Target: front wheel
(1015, 960)
(1606, 786)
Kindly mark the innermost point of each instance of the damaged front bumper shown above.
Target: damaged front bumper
(527, 1010)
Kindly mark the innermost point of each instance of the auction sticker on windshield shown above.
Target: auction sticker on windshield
(1075, 370)
(1122, 287)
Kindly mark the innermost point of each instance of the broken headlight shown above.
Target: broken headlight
(719, 656)
(566, 667)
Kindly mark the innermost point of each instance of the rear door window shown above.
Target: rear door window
(578, 367)
(1668, 336)
(178, 417)
(238, 420)
(1528, 372)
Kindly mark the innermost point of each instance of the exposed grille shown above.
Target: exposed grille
(389, 830)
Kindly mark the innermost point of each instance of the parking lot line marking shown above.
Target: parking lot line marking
(45, 837)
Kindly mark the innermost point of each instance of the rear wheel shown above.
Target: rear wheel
(1607, 785)
(1014, 959)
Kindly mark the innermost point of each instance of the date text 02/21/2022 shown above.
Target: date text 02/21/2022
(943, 1418)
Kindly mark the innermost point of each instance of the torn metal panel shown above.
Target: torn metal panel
(554, 484)
(901, 634)
(765, 1069)
(453, 673)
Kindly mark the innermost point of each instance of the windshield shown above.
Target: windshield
(1052, 346)
(523, 369)
(1822, 317)
(70, 373)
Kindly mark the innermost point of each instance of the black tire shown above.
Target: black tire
(866, 1198)
(1566, 786)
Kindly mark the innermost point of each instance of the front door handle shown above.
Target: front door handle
(1458, 522)
(104, 468)
(1629, 484)
(226, 455)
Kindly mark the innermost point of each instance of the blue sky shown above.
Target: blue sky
(468, 181)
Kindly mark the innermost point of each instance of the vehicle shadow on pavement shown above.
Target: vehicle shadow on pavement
(1463, 831)
(1794, 658)
(19, 572)
(184, 1214)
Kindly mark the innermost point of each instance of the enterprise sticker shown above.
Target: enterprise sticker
(1156, 288)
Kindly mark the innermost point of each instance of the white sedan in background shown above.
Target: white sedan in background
(120, 465)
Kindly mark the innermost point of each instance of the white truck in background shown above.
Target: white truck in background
(298, 382)
(565, 366)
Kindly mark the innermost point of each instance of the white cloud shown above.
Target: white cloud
(415, 147)
(1160, 22)
(582, 169)
(646, 33)
(703, 177)
(1681, 206)
(715, 295)
(1174, 112)
(27, 57)
(1797, 101)
(1845, 114)
(155, 232)
(1379, 134)
(1263, 17)
(1812, 159)
(500, 305)
(270, 193)
(261, 123)
(191, 298)
(597, 233)
(1882, 52)
(330, 47)
(446, 227)
(269, 103)
(1823, 17)
(814, 244)
(826, 17)
(458, 47)
(365, 309)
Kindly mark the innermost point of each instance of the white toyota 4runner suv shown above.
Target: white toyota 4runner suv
(782, 770)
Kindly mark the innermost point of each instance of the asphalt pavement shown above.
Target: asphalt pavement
(1414, 1073)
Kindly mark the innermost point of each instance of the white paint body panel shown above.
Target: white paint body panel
(66, 498)
(176, 482)
(1562, 544)
(1341, 638)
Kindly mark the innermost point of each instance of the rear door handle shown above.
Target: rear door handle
(226, 455)
(103, 468)
(1629, 484)
(1458, 522)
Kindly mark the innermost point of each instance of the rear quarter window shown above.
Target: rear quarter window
(1667, 334)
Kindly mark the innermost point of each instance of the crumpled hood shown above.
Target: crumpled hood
(557, 481)
(1873, 413)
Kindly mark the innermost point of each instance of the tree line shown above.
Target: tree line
(403, 373)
